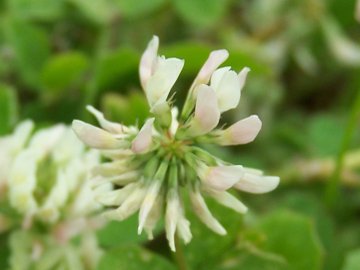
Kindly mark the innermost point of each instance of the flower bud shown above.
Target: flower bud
(96, 137)
(254, 183)
(220, 177)
(242, 132)
(207, 114)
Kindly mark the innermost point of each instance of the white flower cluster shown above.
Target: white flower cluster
(44, 175)
(46, 172)
(150, 167)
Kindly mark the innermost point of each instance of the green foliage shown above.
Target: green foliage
(131, 258)
(71, 66)
(352, 260)
(31, 48)
(8, 108)
(131, 10)
(200, 13)
(287, 234)
(39, 9)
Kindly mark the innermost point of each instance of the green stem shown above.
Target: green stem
(332, 192)
(179, 256)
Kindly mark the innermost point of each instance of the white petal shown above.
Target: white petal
(116, 197)
(153, 217)
(242, 132)
(217, 77)
(129, 206)
(204, 213)
(215, 59)
(253, 183)
(242, 77)
(174, 122)
(148, 61)
(123, 179)
(228, 91)
(21, 135)
(207, 114)
(59, 193)
(143, 140)
(357, 11)
(159, 85)
(183, 227)
(149, 200)
(95, 137)
(228, 200)
(171, 218)
(112, 168)
(45, 139)
(117, 153)
(104, 123)
(220, 177)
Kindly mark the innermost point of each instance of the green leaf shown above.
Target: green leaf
(325, 134)
(201, 13)
(129, 110)
(31, 47)
(4, 251)
(117, 233)
(292, 236)
(133, 258)
(249, 257)
(206, 246)
(116, 67)
(352, 260)
(8, 108)
(135, 9)
(63, 71)
(39, 9)
(98, 11)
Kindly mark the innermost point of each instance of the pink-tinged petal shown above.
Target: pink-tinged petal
(257, 184)
(104, 123)
(215, 59)
(242, 132)
(148, 61)
(204, 214)
(95, 137)
(143, 140)
(207, 114)
(221, 177)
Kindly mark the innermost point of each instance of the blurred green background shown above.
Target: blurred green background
(304, 55)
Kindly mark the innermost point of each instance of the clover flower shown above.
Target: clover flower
(47, 178)
(152, 166)
(44, 176)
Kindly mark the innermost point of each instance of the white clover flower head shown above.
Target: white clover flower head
(47, 177)
(151, 166)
